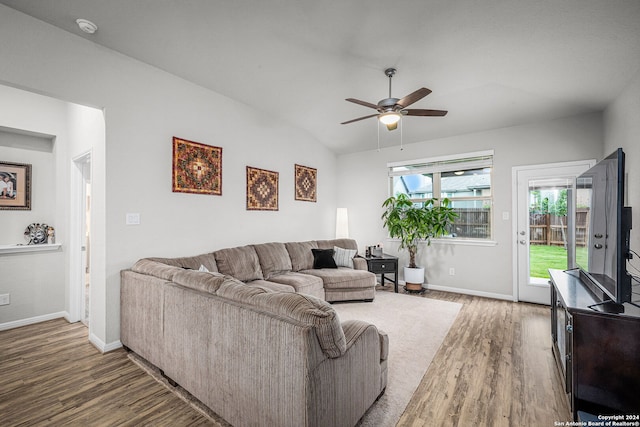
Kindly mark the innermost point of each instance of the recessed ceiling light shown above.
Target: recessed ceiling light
(87, 26)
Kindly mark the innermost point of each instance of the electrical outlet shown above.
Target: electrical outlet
(133, 219)
(452, 271)
(5, 299)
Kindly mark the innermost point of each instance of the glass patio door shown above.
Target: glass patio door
(543, 226)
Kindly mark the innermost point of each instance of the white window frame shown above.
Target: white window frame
(450, 163)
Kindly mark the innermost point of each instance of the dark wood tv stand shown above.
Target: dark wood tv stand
(597, 349)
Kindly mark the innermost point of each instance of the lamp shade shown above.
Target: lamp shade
(389, 118)
(342, 223)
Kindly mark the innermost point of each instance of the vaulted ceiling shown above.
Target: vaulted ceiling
(490, 63)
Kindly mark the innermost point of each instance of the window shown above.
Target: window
(464, 179)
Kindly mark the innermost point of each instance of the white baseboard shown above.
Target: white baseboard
(468, 292)
(471, 292)
(32, 320)
(102, 346)
(97, 342)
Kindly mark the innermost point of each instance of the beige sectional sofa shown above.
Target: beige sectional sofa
(253, 338)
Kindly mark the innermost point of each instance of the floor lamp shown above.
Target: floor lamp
(342, 223)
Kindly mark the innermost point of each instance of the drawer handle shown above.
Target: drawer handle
(382, 265)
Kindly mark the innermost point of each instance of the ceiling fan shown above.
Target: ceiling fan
(390, 110)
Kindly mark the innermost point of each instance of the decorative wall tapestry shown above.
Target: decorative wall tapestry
(15, 186)
(262, 190)
(306, 183)
(197, 168)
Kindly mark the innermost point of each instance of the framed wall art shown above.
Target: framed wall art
(15, 186)
(262, 190)
(306, 179)
(197, 168)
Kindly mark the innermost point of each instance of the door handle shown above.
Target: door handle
(523, 242)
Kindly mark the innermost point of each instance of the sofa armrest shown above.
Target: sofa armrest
(155, 268)
(200, 281)
(384, 345)
(353, 329)
(360, 263)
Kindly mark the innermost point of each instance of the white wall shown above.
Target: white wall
(622, 129)
(35, 281)
(484, 270)
(144, 108)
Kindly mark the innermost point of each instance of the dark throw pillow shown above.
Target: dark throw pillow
(323, 258)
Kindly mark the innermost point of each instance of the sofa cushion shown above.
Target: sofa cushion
(239, 292)
(300, 254)
(241, 262)
(302, 283)
(341, 243)
(192, 262)
(274, 259)
(323, 258)
(342, 277)
(344, 257)
(270, 286)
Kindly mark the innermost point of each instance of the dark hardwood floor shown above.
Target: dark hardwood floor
(495, 368)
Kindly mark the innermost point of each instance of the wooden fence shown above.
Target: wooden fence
(472, 223)
(544, 229)
(548, 229)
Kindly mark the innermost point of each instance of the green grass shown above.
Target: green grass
(542, 257)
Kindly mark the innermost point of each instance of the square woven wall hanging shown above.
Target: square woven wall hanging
(262, 190)
(306, 183)
(197, 168)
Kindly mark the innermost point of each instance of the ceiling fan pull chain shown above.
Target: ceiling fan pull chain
(401, 126)
(378, 126)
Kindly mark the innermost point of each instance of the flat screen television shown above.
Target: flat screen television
(602, 228)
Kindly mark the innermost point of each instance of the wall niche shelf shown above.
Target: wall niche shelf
(16, 249)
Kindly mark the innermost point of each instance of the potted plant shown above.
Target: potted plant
(411, 224)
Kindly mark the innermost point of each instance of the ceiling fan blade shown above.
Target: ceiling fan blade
(413, 97)
(419, 112)
(359, 118)
(364, 103)
(393, 126)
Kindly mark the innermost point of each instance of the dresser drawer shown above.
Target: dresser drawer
(382, 266)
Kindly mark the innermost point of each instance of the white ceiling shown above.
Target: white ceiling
(491, 63)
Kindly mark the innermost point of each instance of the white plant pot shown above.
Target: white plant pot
(413, 278)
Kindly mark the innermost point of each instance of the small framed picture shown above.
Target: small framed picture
(15, 186)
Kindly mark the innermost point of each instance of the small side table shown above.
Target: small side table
(385, 264)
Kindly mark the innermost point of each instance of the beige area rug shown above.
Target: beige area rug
(416, 328)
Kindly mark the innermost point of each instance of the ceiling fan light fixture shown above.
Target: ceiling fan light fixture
(390, 118)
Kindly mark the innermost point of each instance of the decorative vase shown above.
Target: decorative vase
(413, 278)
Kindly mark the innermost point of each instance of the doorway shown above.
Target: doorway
(81, 235)
(542, 225)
